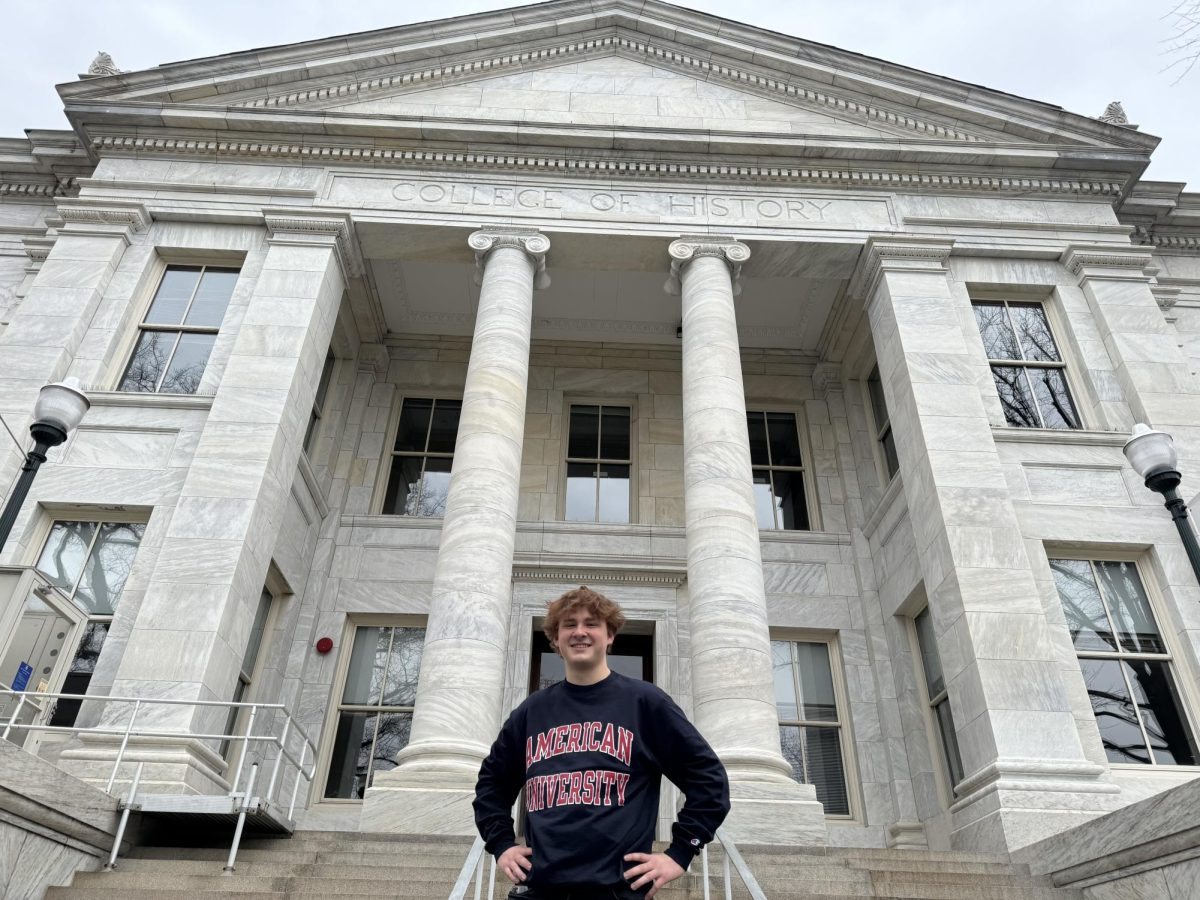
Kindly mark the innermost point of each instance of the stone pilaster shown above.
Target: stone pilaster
(191, 629)
(460, 690)
(1026, 772)
(732, 687)
(46, 330)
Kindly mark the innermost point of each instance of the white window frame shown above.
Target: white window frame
(877, 431)
(1182, 674)
(564, 433)
(933, 729)
(333, 709)
(135, 330)
(385, 461)
(842, 705)
(811, 498)
(248, 683)
(320, 402)
(1068, 364)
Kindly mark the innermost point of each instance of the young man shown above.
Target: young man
(590, 752)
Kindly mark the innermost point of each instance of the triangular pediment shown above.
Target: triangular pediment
(613, 91)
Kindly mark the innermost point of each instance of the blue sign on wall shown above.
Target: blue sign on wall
(21, 679)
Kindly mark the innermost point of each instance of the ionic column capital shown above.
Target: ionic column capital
(689, 247)
(533, 244)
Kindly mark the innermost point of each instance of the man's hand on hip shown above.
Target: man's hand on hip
(514, 862)
(655, 869)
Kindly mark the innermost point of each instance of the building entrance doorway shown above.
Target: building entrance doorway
(632, 655)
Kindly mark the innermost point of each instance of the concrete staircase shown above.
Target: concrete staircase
(346, 864)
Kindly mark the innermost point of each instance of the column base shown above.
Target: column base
(168, 766)
(412, 809)
(1012, 804)
(907, 836)
(776, 813)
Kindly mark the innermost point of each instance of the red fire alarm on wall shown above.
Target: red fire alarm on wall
(324, 645)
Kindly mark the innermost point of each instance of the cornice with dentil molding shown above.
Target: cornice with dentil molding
(907, 253)
(284, 223)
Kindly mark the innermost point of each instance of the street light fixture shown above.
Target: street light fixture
(59, 409)
(1152, 455)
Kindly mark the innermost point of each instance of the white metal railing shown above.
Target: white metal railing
(473, 867)
(285, 747)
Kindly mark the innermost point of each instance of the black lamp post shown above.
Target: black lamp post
(59, 409)
(1152, 455)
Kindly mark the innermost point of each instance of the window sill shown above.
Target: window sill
(143, 400)
(1077, 437)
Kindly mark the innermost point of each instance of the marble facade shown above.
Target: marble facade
(485, 209)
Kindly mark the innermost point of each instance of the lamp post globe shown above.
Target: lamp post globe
(1152, 455)
(59, 409)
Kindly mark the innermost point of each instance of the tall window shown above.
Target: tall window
(938, 698)
(375, 712)
(90, 562)
(1027, 367)
(882, 423)
(237, 720)
(1125, 663)
(778, 471)
(318, 410)
(599, 461)
(810, 725)
(421, 457)
(179, 330)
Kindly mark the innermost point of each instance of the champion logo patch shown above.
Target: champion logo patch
(695, 842)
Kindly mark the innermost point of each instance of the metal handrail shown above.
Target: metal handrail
(246, 738)
(472, 871)
(732, 859)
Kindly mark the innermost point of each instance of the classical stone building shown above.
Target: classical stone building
(820, 365)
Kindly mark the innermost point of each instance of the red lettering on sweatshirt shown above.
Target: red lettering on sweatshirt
(580, 737)
(591, 787)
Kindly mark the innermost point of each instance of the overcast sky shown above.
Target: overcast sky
(1078, 54)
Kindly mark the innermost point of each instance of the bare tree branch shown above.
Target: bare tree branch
(1183, 46)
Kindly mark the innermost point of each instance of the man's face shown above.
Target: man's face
(583, 639)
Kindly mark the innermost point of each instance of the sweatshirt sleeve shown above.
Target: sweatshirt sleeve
(500, 779)
(693, 767)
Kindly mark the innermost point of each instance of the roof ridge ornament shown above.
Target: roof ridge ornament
(1114, 114)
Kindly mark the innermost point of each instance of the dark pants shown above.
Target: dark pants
(620, 891)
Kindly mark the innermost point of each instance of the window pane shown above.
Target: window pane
(394, 731)
(174, 292)
(1034, 331)
(790, 500)
(785, 683)
(764, 500)
(404, 665)
(108, 568)
(1162, 714)
(878, 406)
(414, 425)
(614, 433)
(349, 764)
(444, 431)
(793, 751)
(614, 493)
(368, 663)
(435, 487)
(890, 459)
(404, 487)
(65, 552)
(757, 426)
(823, 754)
(931, 663)
(255, 639)
(583, 439)
(1053, 398)
(149, 359)
(1015, 397)
(80, 674)
(785, 441)
(187, 365)
(212, 297)
(945, 723)
(581, 492)
(1114, 711)
(1080, 598)
(323, 383)
(998, 338)
(1130, 607)
(816, 682)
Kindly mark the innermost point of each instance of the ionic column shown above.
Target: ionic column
(732, 687)
(462, 667)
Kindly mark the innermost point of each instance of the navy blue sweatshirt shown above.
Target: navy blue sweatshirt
(591, 759)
